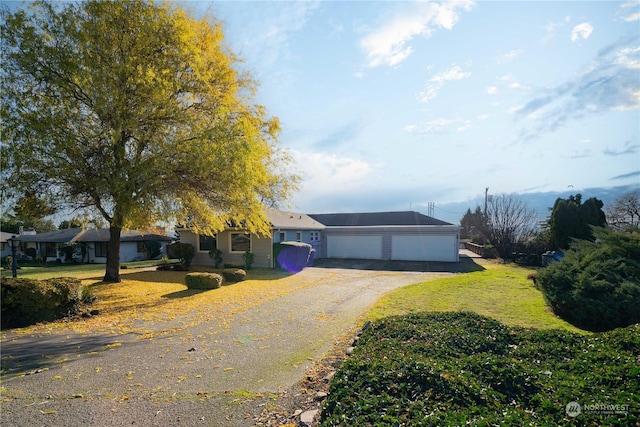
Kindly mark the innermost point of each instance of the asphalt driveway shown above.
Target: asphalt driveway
(197, 375)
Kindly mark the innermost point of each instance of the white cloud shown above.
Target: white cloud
(331, 173)
(439, 126)
(464, 126)
(518, 86)
(435, 83)
(630, 16)
(610, 83)
(454, 73)
(628, 58)
(491, 90)
(633, 17)
(483, 117)
(269, 28)
(388, 45)
(581, 31)
(358, 75)
(509, 56)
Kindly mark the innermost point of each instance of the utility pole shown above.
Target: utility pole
(486, 197)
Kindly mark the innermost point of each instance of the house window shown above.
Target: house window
(3, 246)
(101, 249)
(283, 236)
(206, 243)
(298, 236)
(315, 236)
(240, 242)
(50, 250)
(140, 247)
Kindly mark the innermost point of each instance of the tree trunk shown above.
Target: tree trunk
(112, 272)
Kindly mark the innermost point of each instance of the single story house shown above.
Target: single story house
(90, 243)
(5, 245)
(406, 236)
(234, 242)
(400, 236)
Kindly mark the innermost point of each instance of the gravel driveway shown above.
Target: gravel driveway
(197, 376)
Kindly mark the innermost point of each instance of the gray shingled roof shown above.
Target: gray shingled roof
(376, 219)
(291, 220)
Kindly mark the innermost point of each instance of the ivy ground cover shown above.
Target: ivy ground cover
(460, 368)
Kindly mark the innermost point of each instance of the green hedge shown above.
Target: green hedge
(203, 280)
(233, 275)
(29, 301)
(596, 286)
(445, 369)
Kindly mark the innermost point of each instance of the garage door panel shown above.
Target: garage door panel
(423, 248)
(359, 247)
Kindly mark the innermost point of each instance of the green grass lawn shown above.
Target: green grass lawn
(50, 270)
(501, 291)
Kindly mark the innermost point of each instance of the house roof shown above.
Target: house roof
(4, 236)
(369, 219)
(284, 220)
(77, 235)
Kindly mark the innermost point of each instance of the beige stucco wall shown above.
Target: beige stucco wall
(261, 247)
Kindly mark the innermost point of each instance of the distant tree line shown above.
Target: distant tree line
(510, 226)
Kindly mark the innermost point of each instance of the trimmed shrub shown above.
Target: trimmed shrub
(452, 369)
(203, 281)
(183, 251)
(596, 286)
(29, 301)
(249, 259)
(294, 256)
(234, 275)
(216, 257)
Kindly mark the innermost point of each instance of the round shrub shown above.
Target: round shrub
(233, 275)
(29, 301)
(596, 286)
(203, 281)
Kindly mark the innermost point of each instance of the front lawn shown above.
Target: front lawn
(501, 291)
(33, 270)
(145, 299)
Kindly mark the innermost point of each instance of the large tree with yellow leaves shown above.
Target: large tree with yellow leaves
(138, 111)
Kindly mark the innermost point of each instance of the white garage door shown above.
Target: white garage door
(359, 247)
(423, 248)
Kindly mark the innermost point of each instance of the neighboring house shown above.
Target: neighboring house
(234, 242)
(91, 244)
(401, 236)
(5, 245)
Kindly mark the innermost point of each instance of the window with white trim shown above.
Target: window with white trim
(298, 236)
(283, 236)
(315, 236)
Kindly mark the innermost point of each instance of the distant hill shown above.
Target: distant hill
(541, 202)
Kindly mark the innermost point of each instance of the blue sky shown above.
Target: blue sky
(392, 105)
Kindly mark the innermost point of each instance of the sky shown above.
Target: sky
(398, 105)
